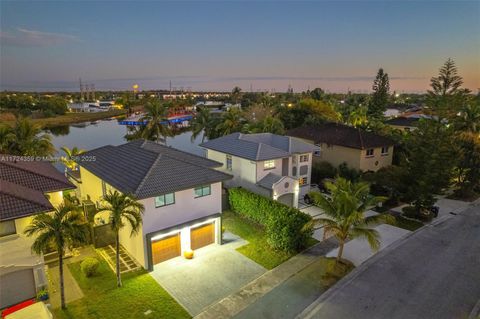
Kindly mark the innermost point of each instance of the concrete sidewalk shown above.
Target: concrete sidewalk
(233, 304)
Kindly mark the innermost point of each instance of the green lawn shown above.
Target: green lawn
(257, 249)
(407, 224)
(103, 300)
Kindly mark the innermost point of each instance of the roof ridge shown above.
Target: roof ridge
(35, 172)
(154, 164)
(176, 150)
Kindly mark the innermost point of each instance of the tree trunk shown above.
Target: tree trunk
(62, 288)
(340, 251)
(117, 247)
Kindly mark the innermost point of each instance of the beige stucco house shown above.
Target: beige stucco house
(359, 149)
(181, 192)
(27, 188)
(275, 166)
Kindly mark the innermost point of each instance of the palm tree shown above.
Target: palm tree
(231, 122)
(29, 140)
(202, 122)
(345, 212)
(154, 130)
(469, 118)
(64, 228)
(236, 92)
(122, 208)
(71, 155)
(6, 138)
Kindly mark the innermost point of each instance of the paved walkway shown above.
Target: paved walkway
(358, 250)
(431, 273)
(238, 301)
(214, 273)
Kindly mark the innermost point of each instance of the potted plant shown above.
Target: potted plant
(42, 295)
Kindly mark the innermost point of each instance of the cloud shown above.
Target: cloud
(34, 38)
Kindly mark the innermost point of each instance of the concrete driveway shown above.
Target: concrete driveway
(216, 272)
(431, 273)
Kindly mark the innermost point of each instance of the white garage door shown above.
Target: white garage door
(286, 199)
(16, 287)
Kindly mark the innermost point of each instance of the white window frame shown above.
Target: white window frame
(202, 190)
(304, 158)
(385, 150)
(269, 164)
(370, 155)
(164, 200)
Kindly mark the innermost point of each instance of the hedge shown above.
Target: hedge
(285, 226)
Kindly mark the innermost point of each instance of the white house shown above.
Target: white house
(181, 192)
(272, 165)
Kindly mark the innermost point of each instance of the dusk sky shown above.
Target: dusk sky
(218, 45)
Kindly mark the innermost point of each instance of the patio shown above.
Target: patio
(215, 272)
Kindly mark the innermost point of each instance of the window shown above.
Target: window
(385, 150)
(303, 158)
(370, 152)
(317, 154)
(269, 164)
(7, 228)
(229, 162)
(164, 200)
(303, 181)
(202, 191)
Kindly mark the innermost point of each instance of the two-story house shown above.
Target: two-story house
(275, 166)
(359, 149)
(181, 192)
(27, 188)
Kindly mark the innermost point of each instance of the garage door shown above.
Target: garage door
(16, 287)
(286, 199)
(165, 248)
(202, 236)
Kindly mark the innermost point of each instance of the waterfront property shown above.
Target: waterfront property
(271, 165)
(181, 192)
(359, 149)
(27, 188)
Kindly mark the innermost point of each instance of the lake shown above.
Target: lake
(108, 132)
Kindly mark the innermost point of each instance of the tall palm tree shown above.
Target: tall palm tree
(29, 140)
(154, 130)
(202, 122)
(71, 155)
(231, 122)
(123, 208)
(64, 228)
(345, 212)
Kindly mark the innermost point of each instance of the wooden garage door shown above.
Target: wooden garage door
(202, 236)
(16, 287)
(166, 248)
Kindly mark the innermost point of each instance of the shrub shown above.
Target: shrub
(322, 170)
(415, 213)
(89, 266)
(285, 226)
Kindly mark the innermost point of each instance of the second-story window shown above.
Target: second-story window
(7, 228)
(303, 158)
(385, 150)
(370, 152)
(229, 162)
(165, 199)
(268, 164)
(202, 191)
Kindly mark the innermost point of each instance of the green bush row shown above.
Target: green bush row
(285, 226)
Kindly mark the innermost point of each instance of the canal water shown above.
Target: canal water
(108, 132)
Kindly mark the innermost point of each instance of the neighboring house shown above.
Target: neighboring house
(339, 144)
(181, 192)
(272, 165)
(403, 123)
(27, 188)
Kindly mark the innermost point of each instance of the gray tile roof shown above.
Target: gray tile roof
(259, 147)
(268, 181)
(23, 184)
(146, 169)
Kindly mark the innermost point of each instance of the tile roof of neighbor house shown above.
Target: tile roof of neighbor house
(259, 147)
(339, 134)
(23, 184)
(403, 121)
(268, 180)
(147, 169)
